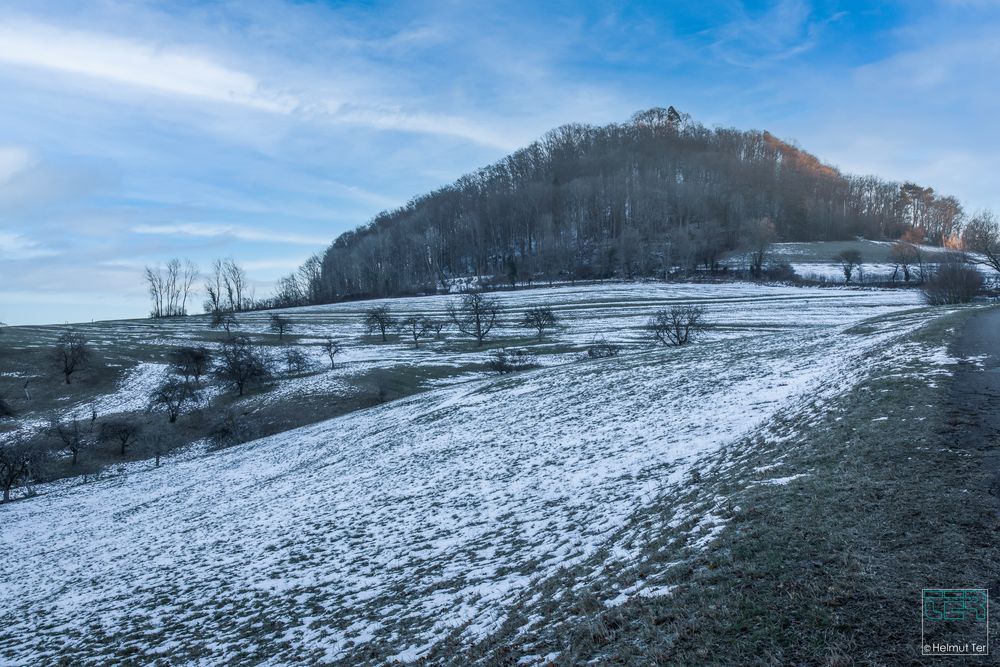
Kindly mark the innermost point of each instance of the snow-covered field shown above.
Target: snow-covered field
(378, 534)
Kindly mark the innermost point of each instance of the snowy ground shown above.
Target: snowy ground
(380, 533)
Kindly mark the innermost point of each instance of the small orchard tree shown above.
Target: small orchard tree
(120, 432)
(241, 364)
(73, 435)
(904, 255)
(601, 348)
(677, 325)
(225, 320)
(70, 354)
(172, 396)
(850, 261)
(981, 237)
(18, 459)
(191, 362)
(281, 324)
(434, 326)
(331, 348)
(296, 361)
(539, 319)
(378, 318)
(475, 315)
(415, 327)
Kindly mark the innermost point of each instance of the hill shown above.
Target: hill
(643, 198)
(484, 512)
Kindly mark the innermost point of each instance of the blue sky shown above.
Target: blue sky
(132, 132)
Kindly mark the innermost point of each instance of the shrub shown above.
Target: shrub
(296, 361)
(677, 325)
(504, 361)
(602, 349)
(952, 282)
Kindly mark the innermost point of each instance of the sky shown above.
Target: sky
(132, 132)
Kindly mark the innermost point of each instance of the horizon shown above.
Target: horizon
(263, 130)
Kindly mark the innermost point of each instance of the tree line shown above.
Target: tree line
(657, 194)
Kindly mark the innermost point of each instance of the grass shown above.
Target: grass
(824, 570)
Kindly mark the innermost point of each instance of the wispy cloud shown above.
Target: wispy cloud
(231, 231)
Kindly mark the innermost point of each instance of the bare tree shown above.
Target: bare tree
(121, 432)
(415, 328)
(475, 315)
(539, 319)
(332, 348)
(225, 320)
(981, 237)
(73, 435)
(905, 256)
(17, 461)
(378, 318)
(757, 239)
(241, 364)
(191, 362)
(70, 353)
(170, 288)
(296, 361)
(172, 396)
(435, 326)
(677, 325)
(280, 324)
(850, 260)
(227, 287)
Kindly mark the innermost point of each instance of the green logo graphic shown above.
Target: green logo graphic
(955, 605)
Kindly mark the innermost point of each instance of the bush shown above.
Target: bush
(602, 349)
(952, 282)
(782, 271)
(677, 325)
(504, 361)
(233, 429)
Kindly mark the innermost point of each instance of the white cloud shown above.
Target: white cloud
(18, 246)
(231, 231)
(113, 59)
(14, 160)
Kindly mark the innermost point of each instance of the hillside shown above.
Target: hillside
(658, 194)
(482, 511)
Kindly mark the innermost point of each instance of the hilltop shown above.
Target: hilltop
(645, 198)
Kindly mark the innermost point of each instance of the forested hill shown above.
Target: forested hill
(629, 199)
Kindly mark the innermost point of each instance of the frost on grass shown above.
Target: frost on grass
(380, 533)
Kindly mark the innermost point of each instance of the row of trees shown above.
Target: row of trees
(227, 287)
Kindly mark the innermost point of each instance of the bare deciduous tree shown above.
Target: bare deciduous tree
(172, 396)
(280, 324)
(191, 362)
(170, 288)
(121, 432)
(475, 315)
(539, 319)
(296, 361)
(17, 461)
(415, 328)
(378, 318)
(70, 353)
(850, 260)
(227, 287)
(225, 320)
(241, 364)
(677, 325)
(904, 256)
(332, 348)
(757, 238)
(73, 435)
(981, 237)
